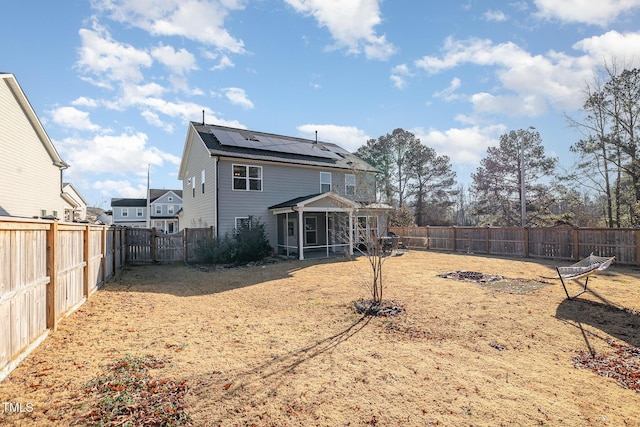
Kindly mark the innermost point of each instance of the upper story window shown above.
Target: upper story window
(350, 184)
(158, 209)
(139, 212)
(170, 209)
(325, 182)
(202, 179)
(193, 186)
(124, 211)
(170, 198)
(247, 178)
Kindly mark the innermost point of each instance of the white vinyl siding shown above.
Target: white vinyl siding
(31, 182)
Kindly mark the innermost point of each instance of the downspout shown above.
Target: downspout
(217, 192)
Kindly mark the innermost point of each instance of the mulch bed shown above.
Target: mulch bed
(497, 282)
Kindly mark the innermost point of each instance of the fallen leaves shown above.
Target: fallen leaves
(623, 365)
(128, 395)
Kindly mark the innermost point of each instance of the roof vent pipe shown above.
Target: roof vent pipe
(316, 137)
(203, 123)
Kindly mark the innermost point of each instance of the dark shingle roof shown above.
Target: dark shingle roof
(128, 203)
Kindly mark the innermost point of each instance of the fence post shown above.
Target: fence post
(487, 244)
(576, 245)
(52, 272)
(186, 244)
(153, 245)
(454, 238)
(426, 238)
(103, 250)
(637, 233)
(526, 242)
(86, 253)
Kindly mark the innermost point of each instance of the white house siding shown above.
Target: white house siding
(199, 210)
(29, 181)
(281, 182)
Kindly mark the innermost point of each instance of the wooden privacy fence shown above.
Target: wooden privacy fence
(146, 245)
(571, 244)
(47, 270)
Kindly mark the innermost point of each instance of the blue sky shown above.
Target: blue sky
(115, 82)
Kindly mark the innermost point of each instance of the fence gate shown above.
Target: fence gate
(170, 247)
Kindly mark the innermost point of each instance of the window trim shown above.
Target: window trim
(346, 185)
(155, 210)
(247, 177)
(239, 226)
(324, 183)
(124, 212)
(139, 212)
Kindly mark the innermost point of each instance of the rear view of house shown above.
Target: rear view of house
(310, 195)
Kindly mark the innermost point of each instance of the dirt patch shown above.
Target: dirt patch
(280, 344)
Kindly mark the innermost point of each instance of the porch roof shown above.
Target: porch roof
(300, 203)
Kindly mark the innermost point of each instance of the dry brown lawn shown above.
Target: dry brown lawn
(280, 345)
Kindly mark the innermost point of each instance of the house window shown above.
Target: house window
(124, 211)
(202, 179)
(247, 178)
(158, 209)
(325, 182)
(242, 222)
(193, 186)
(350, 184)
(170, 198)
(139, 212)
(170, 209)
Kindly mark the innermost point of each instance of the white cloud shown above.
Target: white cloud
(462, 145)
(113, 154)
(179, 62)
(224, 62)
(449, 94)
(198, 20)
(612, 44)
(348, 137)
(494, 16)
(554, 79)
(83, 101)
(237, 96)
(72, 118)
(399, 75)
(111, 188)
(109, 60)
(600, 12)
(351, 24)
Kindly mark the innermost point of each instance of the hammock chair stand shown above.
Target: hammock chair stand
(583, 270)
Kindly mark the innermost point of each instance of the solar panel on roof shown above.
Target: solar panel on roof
(272, 143)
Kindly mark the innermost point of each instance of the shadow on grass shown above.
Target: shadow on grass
(288, 362)
(616, 321)
(186, 280)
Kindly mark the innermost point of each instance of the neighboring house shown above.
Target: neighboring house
(310, 195)
(165, 206)
(30, 166)
(99, 216)
(75, 209)
(160, 213)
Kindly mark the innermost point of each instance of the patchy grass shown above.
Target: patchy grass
(281, 344)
